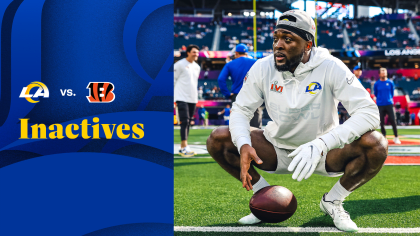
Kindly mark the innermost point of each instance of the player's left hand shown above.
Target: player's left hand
(306, 158)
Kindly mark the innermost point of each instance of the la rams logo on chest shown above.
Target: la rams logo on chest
(313, 88)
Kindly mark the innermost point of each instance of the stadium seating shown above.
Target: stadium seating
(330, 34)
(240, 30)
(416, 24)
(409, 87)
(186, 33)
(379, 34)
(212, 74)
(208, 85)
(365, 33)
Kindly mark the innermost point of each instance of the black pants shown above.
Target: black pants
(388, 109)
(256, 121)
(186, 115)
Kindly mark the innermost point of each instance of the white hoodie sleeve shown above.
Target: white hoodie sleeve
(363, 111)
(248, 100)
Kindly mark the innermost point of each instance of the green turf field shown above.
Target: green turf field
(272, 234)
(205, 195)
(196, 136)
(199, 136)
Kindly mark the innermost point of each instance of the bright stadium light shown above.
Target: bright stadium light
(262, 13)
(277, 14)
(246, 13)
(229, 14)
(252, 13)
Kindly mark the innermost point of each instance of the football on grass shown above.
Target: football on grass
(273, 204)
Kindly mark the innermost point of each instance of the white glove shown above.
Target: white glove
(307, 156)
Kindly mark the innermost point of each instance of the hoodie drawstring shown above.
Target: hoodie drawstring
(295, 87)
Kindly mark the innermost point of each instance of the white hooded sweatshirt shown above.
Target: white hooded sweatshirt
(303, 105)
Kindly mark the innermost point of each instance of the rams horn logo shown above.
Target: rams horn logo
(41, 87)
(100, 92)
(313, 88)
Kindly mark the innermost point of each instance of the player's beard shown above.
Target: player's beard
(293, 62)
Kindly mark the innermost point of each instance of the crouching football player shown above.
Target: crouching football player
(301, 86)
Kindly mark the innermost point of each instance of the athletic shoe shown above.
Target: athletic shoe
(185, 153)
(187, 149)
(249, 220)
(397, 140)
(340, 217)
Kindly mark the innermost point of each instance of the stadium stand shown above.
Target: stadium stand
(330, 34)
(211, 74)
(364, 33)
(211, 90)
(416, 24)
(373, 33)
(411, 88)
(193, 30)
(240, 30)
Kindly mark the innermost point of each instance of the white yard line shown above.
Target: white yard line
(194, 157)
(198, 149)
(255, 229)
(215, 126)
(202, 149)
(404, 164)
(404, 149)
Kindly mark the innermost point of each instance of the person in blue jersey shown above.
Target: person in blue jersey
(226, 114)
(237, 70)
(384, 92)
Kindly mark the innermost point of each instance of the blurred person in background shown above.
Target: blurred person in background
(202, 115)
(384, 92)
(357, 71)
(206, 118)
(371, 94)
(237, 70)
(407, 117)
(226, 114)
(418, 115)
(230, 56)
(398, 113)
(200, 93)
(186, 72)
(413, 118)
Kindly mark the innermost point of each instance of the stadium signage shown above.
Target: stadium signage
(399, 52)
(56, 131)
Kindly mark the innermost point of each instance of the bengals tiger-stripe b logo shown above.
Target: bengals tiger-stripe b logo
(100, 92)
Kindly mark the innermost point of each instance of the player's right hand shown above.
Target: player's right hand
(248, 154)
